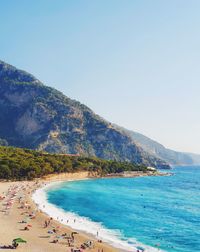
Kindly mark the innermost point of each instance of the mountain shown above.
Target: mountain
(39, 117)
(158, 150)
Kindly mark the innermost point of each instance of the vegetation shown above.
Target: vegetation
(19, 164)
(35, 116)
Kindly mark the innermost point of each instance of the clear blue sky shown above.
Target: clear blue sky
(134, 62)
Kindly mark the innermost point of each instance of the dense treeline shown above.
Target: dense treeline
(18, 164)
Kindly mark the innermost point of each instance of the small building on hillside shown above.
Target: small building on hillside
(149, 168)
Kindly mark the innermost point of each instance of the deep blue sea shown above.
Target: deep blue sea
(161, 212)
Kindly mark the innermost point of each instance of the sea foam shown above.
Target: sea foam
(84, 224)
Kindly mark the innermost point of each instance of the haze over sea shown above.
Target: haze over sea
(154, 211)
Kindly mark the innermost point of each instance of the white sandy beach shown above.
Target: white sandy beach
(37, 236)
(15, 210)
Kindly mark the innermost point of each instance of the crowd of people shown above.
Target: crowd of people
(19, 195)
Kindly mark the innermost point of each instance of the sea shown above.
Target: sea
(159, 213)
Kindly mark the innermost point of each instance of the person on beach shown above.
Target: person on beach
(26, 228)
(45, 224)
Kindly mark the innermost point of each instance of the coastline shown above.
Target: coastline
(37, 237)
(82, 225)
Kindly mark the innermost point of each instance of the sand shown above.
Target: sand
(38, 239)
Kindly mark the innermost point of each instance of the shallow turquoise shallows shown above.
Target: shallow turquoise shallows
(156, 211)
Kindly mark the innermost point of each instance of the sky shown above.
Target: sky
(134, 62)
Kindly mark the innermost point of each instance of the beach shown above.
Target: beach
(19, 212)
(37, 237)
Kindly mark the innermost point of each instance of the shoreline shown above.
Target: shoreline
(37, 237)
(113, 236)
(54, 180)
(67, 218)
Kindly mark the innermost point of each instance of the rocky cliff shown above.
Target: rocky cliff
(39, 117)
(154, 148)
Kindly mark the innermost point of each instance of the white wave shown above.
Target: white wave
(112, 237)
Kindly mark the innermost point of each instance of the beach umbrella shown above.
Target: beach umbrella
(74, 232)
(19, 240)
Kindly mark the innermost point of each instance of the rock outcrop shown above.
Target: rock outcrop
(39, 117)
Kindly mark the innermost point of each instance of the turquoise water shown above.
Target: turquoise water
(163, 211)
